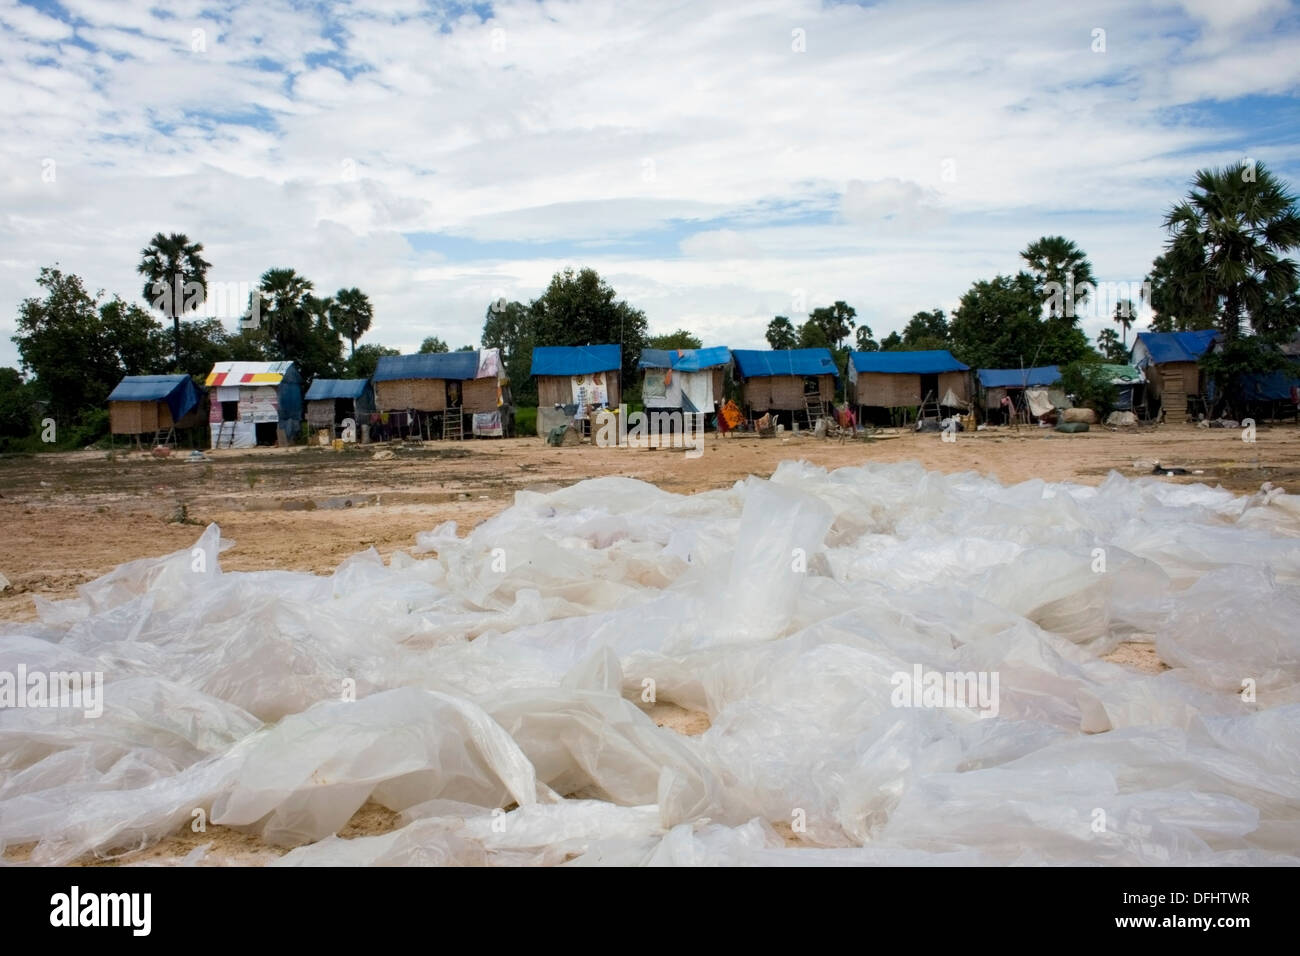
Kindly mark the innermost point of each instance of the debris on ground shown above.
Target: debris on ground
(505, 674)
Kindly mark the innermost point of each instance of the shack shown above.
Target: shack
(254, 403)
(794, 384)
(1168, 361)
(154, 406)
(686, 380)
(1028, 393)
(893, 380)
(574, 378)
(430, 395)
(333, 401)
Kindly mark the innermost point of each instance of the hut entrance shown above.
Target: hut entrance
(230, 411)
(344, 408)
(453, 393)
(266, 433)
(930, 386)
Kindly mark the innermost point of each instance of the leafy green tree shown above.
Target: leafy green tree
(781, 334)
(865, 342)
(681, 339)
(836, 321)
(508, 326)
(999, 325)
(284, 311)
(350, 314)
(135, 337)
(925, 328)
(1109, 345)
(892, 342)
(176, 276)
(1089, 385)
(62, 340)
(362, 362)
(580, 308)
(433, 345)
(1062, 275)
(467, 348)
(812, 335)
(1229, 244)
(17, 406)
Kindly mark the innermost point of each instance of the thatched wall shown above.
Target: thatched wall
(479, 395)
(783, 392)
(134, 418)
(421, 394)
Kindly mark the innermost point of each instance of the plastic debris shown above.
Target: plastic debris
(897, 667)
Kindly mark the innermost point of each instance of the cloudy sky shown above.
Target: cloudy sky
(719, 163)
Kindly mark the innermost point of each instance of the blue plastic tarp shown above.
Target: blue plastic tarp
(929, 362)
(763, 364)
(576, 359)
(178, 391)
(326, 388)
(1176, 346)
(1037, 377)
(449, 365)
(690, 360)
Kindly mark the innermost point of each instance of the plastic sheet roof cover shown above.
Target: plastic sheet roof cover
(178, 391)
(1038, 376)
(482, 683)
(1175, 346)
(327, 388)
(761, 364)
(685, 360)
(576, 359)
(249, 373)
(449, 365)
(928, 362)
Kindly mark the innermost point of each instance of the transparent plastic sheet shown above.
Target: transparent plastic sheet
(498, 677)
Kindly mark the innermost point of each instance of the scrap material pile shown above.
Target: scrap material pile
(497, 679)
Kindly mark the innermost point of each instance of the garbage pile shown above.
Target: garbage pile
(899, 667)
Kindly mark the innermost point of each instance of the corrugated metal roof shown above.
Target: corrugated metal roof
(327, 388)
(576, 359)
(450, 365)
(248, 373)
(754, 363)
(929, 362)
(685, 360)
(1176, 346)
(1019, 377)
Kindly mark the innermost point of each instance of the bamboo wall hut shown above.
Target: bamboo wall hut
(332, 401)
(1168, 361)
(784, 380)
(905, 379)
(414, 393)
(575, 377)
(153, 406)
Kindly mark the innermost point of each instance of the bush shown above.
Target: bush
(525, 421)
(1088, 387)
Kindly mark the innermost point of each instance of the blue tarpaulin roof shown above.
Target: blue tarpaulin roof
(450, 365)
(327, 388)
(691, 360)
(1271, 386)
(1176, 346)
(762, 364)
(929, 362)
(576, 359)
(178, 391)
(1019, 377)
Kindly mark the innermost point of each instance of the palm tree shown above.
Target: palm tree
(1056, 260)
(285, 297)
(175, 278)
(1229, 242)
(351, 314)
(1124, 315)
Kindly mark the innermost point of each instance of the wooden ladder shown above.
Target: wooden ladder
(929, 404)
(453, 424)
(814, 408)
(164, 436)
(226, 439)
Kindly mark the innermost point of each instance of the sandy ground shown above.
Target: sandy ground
(67, 518)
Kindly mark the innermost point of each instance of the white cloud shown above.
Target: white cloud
(910, 149)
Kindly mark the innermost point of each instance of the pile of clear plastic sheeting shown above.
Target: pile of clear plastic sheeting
(897, 666)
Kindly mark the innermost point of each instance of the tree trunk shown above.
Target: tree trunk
(1232, 314)
(176, 338)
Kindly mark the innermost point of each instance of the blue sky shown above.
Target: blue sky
(718, 163)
